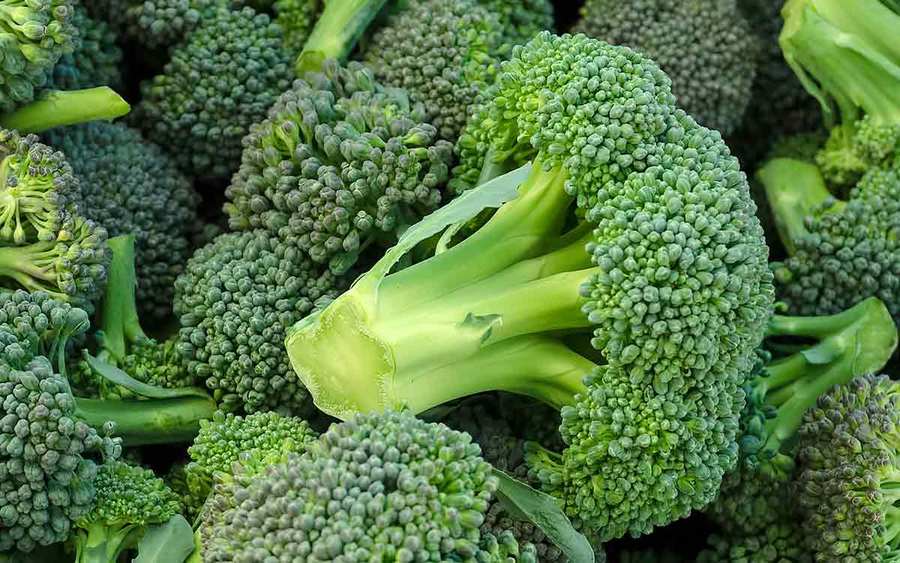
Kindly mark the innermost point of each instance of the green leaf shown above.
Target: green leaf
(171, 542)
(119, 377)
(526, 504)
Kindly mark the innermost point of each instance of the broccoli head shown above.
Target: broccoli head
(296, 18)
(839, 252)
(442, 53)
(340, 163)
(94, 60)
(706, 47)
(221, 80)
(378, 487)
(847, 485)
(633, 229)
(129, 499)
(780, 543)
(45, 243)
(236, 299)
(520, 20)
(130, 186)
(155, 24)
(36, 33)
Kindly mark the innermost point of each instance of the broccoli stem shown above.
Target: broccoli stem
(30, 267)
(58, 108)
(498, 303)
(102, 542)
(336, 32)
(155, 421)
(846, 55)
(119, 317)
(795, 190)
(855, 342)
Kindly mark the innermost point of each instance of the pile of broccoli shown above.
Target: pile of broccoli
(483, 281)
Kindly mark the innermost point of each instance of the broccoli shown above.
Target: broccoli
(35, 35)
(847, 485)
(236, 299)
(154, 24)
(442, 53)
(95, 59)
(296, 18)
(129, 499)
(521, 19)
(633, 227)
(227, 438)
(839, 252)
(130, 186)
(123, 342)
(843, 56)
(221, 80)
(378, 487)
(779, 543)
(45, 243)
(339, 164)
(706, 46)
(339, 27)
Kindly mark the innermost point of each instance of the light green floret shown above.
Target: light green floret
(848, 484)
(95, 59)
(632, 228)
(340, 164)
(227, 438)
(296, 18)
(443, 53)
(383, 487)
(844, 56)
(34, 34)
(706, 47)
(129, 500)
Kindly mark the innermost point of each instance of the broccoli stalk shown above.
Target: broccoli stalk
(336, 32)
(58, 108)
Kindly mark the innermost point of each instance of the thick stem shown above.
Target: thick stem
(22, 264)
(794, 189)
(57, 109)
(336, 32)
(102, 543)
(118, 313)
(153, 421)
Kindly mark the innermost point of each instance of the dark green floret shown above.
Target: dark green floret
(521, 20)
(155, 24)
(633, 229)
(340, 164)
(780, 543)
(129, 499)
(839, 251)
(223, 79)
(45, 242)
(236, 299)
(848, 484)
(130, 186)
(705, 46)
(35, 34)
(95, 59)
(443, 53)
(296, 18)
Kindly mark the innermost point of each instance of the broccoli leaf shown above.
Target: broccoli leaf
(171, 542)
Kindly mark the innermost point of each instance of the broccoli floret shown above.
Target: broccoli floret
(842, 55)
(521, 19)
(130, 186)
(848, 459)
(35, 35)
(154, 24)
(94, 60)
(780, 543)
(45, 243)
(378, 487)
(236, 299)
(442, 53)
(634, 227)
(706, 47)
(227, 438)
(339, 164)
(129, 499)
(223, 79)
(839, 252)
(296, 18)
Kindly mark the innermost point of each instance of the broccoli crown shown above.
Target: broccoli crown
(751, 501)
(47, 455)
(849, 471)
(94, 60)
(442, 53)
(504, 547)
(850, 152)
(154, 24)
(35, 35)
(521, 19)
(296, 18)
(227, 438)
(378, 487)
(236, 299)
(706, 47)
(499, 523)
(839, 251)
(220, 81)
(130, 186)
(340, 161)
(780, 543)
(45, 244)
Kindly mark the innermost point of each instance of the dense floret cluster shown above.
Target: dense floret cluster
(95, 59)
(153, 23)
